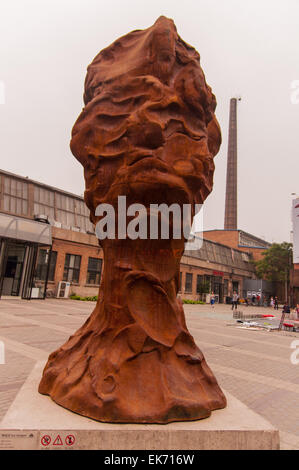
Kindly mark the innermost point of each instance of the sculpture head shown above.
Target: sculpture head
(148, 130)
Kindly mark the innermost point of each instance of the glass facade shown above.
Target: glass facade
(31, 199)
(42, 264)
(44, 202)
(220, 254)
(15, 196)
(23, 269)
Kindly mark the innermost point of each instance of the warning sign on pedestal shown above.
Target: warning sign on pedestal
(58, 441)
(45, 440)
(70, 440)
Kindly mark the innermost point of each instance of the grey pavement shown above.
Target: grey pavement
(253, 365)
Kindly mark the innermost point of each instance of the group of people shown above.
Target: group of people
(287, 309)
(273, 303)
(235, 300)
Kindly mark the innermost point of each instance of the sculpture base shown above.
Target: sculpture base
(34, 421)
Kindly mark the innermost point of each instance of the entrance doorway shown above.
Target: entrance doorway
(217, 288)
(236, 286)
(13, 269)
(24, 269)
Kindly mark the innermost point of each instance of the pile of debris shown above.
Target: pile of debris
(260, 324)
(259, 321)
(246, 316)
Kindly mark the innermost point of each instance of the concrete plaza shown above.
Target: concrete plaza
(253, 365)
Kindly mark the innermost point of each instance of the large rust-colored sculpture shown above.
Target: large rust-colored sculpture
(148, 131)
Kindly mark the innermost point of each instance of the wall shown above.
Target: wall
(76, 243)
(231, 238)
(86, 245)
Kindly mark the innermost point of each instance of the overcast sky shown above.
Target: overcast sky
(247, 48)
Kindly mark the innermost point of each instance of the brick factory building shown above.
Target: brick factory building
(47, 240)
(240, 240)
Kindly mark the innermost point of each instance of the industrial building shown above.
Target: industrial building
(49, 248)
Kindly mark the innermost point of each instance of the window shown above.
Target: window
(188, 282)
(72, 268)
(15, 196)
(65, 210)
(208, 282)
(236, 286)
(94, 270)
(43, 202)
(52, 266)
(180, 282)
(72, 212)
(199, 284)
(42, 265)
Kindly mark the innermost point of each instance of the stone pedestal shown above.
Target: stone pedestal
(34, 421)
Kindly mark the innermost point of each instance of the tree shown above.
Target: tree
(276, 264)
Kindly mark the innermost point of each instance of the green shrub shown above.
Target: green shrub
(189, 301)
(78, 297)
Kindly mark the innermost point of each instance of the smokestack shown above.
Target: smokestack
(230, 218)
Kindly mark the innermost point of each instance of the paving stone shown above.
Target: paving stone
(254, 366)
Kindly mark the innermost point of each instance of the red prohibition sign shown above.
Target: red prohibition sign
(45, 440)
(70, 440)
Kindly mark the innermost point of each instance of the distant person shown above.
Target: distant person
(258, 298)
(275, 303)
(286, 308)
(295, 315)
(212, 299)
(253, 299)
(246, 301)
(235, 300)
(272, 302)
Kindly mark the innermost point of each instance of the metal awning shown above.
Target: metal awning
(25, 229)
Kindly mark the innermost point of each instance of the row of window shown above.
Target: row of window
(70, 211)
(204, 284)
(15, 195)
(220, 254)
(71, 272)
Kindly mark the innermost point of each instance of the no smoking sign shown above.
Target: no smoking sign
(46, 440)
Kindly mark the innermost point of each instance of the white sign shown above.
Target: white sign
(2, 92)
(2, 353)
(295, 213)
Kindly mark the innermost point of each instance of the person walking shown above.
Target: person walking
(272, 302)
(275, 303)
(235, 300)
(212, 299)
